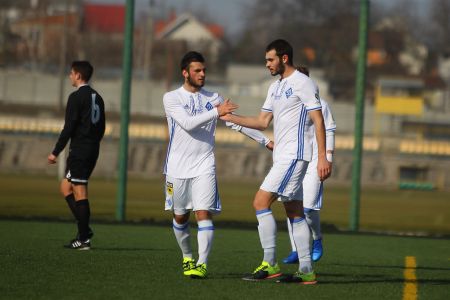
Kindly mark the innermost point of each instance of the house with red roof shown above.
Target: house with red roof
(198, 36)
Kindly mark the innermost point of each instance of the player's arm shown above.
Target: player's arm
(174, 110)
(330, 128)
(70, 123)
(323, 165)
(261, 122)
(254, 134)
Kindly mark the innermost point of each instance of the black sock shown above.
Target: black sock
(84, 213)
(70, 199)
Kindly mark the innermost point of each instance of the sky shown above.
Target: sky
(227, 13)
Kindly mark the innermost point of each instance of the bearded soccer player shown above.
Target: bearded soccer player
(191, 185)
(293, 104)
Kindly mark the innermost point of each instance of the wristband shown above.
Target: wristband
(330, 157)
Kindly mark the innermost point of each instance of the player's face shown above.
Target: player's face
(74, 77)
(274, 64)
(196, 74)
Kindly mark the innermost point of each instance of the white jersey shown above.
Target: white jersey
(290, 99)
(330, 128)
(312, 186)
(191, 119)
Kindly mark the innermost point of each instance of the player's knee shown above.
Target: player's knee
(65, 188)
(79, 192)
(181, 219)
(201, 215)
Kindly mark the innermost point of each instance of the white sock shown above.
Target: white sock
(300, 231)
(267, 229)
(313, 220)
(291, 238)
(182, 235)
(204, 237)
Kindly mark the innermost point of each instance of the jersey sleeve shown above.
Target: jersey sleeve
(330, 125)
(71, 119)
(267, 106)
(175, 110)
(254, 134)
(309, 95)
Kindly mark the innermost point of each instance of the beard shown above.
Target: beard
(194, 84)
(280, 70)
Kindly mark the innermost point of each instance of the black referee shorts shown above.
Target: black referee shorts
(80, 164)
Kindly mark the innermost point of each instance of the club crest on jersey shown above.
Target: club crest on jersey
(209, 106)
(169, 188)
(288, 93)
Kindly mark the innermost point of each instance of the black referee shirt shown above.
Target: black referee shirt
(84, 121)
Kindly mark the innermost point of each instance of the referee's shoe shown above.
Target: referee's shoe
(77, 244)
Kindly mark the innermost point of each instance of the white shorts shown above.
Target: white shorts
(312, 188)
(285, 180)
(198, 193)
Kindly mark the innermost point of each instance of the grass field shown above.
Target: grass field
(143, 262)
(381, 210)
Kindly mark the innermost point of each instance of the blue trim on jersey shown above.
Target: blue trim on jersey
(217, 204)
(265, 109)
(314, 108)
(301, 133)
(263, 211)
(206, 228)
(287, 176)
(320, 196)
(170, 144)
(296, 220)
(331, 129)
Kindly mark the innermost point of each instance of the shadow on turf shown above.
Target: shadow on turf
(130, 249)
(390, 267)
(385, 280)
(344, 279)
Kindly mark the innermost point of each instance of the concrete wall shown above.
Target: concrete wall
(28, 154)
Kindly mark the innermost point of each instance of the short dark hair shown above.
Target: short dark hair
(84, 68)
(303, 69)
(282, 47)
(191, 56)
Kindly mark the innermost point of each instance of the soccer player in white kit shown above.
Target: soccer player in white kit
(313, 188)
(192, 114)
(293, 104)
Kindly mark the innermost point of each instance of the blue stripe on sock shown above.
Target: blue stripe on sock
(206, 228)
(262, 211)
(296, 220)
(180, 227)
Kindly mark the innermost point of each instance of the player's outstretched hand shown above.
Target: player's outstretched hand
(226, 107)
(51, 159)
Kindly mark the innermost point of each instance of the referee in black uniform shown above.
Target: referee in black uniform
(85, 126)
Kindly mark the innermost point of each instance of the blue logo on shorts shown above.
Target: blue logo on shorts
(288, 92)
(209, 106)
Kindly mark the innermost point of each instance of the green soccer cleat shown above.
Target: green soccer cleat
(264, 271)
(188, 265)
(199, 272)
(300, 278)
